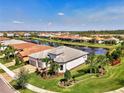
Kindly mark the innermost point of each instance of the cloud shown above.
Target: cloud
(108, 14)
(17, 22)
(61, 14)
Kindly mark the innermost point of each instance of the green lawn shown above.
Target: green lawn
(114, 79)
(4, 61)
(77, 43)
(16, 66)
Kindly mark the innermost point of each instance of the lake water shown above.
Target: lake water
(87, 49)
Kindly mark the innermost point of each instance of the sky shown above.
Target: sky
(61, 15)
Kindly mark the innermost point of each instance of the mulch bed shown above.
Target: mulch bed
(115, 62)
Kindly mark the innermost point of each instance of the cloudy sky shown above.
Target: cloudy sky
(61, 15)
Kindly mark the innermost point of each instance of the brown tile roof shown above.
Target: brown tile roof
(34, 49)
(4, 38)
(68, 37)
(23, 45)
(99, 38)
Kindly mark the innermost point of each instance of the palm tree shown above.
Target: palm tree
(53, 68)
(102, 60)
(47, 60)
(53, 65)
(9, 51)
(91, 60)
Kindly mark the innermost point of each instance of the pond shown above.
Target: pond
(87, 49)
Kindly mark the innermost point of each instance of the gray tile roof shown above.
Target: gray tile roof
(66, 54)
(40, 55)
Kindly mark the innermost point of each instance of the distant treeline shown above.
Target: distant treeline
(80, 32)
(98, 32)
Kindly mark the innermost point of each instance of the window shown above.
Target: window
(61, 67)
(84, 56)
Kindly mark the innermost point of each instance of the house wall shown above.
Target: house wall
(37, 62)
(73, 63)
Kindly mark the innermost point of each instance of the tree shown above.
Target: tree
(9, 51)
(102, 60)
(67, 75)
(91, 60)
(5, 34)
(47, 60)
(17, 60)
(22, 79)
(53, 68)
(116, 54)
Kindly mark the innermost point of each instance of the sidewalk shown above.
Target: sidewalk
(38, 90)
(121, 90)
(9, 72)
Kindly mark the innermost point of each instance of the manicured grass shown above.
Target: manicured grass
(77, 43)
(4, 60)
(113, 79)
(16, 66)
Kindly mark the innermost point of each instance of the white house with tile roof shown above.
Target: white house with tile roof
(68, 58)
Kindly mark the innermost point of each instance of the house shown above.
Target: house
(112, 39)
(12, 41)
(85, 39)
(68, 58)
(24, 55)
(22, 46)
(10, 34)
(3, 39)
(1, 34)
(27, 34)
(99, 40)
(36, 58)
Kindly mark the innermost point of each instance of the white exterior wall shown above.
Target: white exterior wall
(100, 42)
(73, 64)
(64, 68)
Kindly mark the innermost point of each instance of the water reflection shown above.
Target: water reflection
(87, 49)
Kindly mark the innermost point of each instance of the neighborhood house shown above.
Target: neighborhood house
(36, 58)
(24, 55)
(66, 57)
(12, 41)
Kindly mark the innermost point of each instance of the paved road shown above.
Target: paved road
(4, 88)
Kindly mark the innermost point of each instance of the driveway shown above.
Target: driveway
(6, 87)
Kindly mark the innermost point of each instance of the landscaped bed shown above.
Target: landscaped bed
(114, 79)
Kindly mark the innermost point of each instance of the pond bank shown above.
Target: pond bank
(76, 43)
